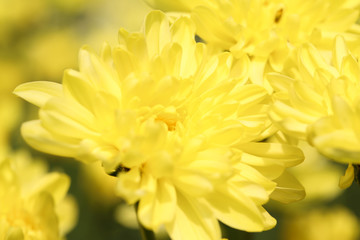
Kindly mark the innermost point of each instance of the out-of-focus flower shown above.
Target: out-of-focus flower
(177, 126)
(322, 104)
(322, 224)
(17, 16)
(10, 107)
(269, 30)
(34, 204)
(60, 46)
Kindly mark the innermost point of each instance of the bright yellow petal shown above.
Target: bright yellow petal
(193, 220)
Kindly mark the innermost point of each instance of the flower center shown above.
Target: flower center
(170, 117)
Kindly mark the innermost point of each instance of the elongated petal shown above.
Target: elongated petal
(157, 32)
(193, 220)
(159, 207)
(40, 139)
(236, 210)
(348, 178)
(38, 93)
(288, 190)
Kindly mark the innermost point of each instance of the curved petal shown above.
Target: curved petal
(159, 207)
(193, 220)
(236, 210)
(348, 178)
(288, 189)
(40, 139)
(38, 93)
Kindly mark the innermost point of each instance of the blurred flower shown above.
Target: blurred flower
(16, 16)
(10, 106)
(269, 30)
(34, 204)
(178, 127)
(322, 103)
(60, 46)
(322, 224)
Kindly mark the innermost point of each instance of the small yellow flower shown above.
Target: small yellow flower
(177, 125)
(322, 104)
(34, 204)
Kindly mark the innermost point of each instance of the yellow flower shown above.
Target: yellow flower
(322, 224)
(322, 103)
(34, 204)
(269, 30)
(41, 47)
(177, 126)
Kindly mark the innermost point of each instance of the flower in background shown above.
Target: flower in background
(177, 125)
(321, 105)
(330, 223)
(269, 30)
(34, 204)
(313, 173)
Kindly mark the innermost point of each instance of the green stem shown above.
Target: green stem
(146, 234)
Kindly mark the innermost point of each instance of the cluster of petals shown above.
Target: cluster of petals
(321, 103)
(268, 30)
(177, 124)
(34, 204)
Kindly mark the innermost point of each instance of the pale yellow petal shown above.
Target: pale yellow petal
(56, 184)
(288, 189)
(40, 139)
(158, 208)
(287, 154)
(236, 210)
(348, 178)
(157, 32)
(340, 51)
(193, 220)
(38, 93)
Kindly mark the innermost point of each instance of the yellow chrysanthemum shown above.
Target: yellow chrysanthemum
(34, 204)
(269, 30)
(322, 103)
(322, 224)
(176, 125)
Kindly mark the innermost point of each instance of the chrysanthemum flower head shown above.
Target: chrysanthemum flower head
(322, 103)
(34, 204)
(269, 30)
(177, 125)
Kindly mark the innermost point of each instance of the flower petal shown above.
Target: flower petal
(38, 93)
